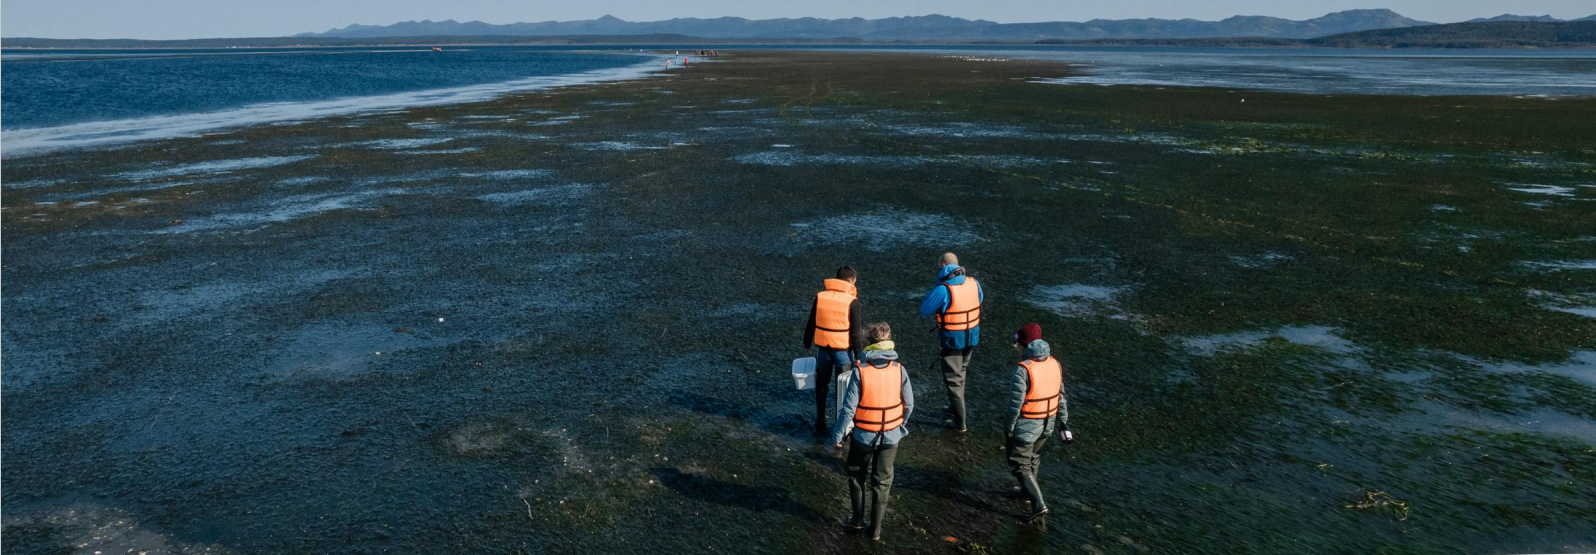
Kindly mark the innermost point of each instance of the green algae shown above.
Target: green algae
(600, 396)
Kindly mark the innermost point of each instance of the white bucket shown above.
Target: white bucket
(803, 373)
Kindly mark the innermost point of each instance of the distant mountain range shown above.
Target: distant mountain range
(1508, 31)
(928, 27)
(1540, 18)
(1481, 34)
(1474, 34)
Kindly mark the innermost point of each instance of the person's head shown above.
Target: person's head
(848, 274)
(948, 258)
(878, 332)
(1025, 335)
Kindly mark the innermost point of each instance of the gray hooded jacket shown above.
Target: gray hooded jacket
(850, 403)
(1028, 430)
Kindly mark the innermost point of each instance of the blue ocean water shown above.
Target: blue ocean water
(53, 88)
(53, 99)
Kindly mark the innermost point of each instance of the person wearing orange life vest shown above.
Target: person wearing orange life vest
(878, 403)
(956, 304)
(836, 328)
(1036, 407)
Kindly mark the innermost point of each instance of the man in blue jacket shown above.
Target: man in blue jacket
(956, 304)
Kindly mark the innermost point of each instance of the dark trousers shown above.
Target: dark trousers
(954, 364)
(828, 363)
(878, 473)
(1025, 458)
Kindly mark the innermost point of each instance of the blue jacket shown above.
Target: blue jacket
(937, 301)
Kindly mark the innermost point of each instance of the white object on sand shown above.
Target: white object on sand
(803, 373)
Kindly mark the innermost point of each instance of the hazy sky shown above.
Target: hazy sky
(166, 19)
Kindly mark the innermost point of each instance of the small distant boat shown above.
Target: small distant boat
(437, 49)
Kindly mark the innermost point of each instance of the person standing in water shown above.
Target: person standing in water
(836, 328)
(878, 402)
(956, 304)
(1036, 406)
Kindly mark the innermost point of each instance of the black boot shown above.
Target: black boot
(878, 514)
(1034, 491)
(957, 412)
(856, 501)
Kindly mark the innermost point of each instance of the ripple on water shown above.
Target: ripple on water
(619, 146)
(551, 195)
(396, 144)
(1552, 190)
(1557, 265)
(1581, 366)
(1074, 299)
(334, 351)
(793, 158)
(1322, 337)
(511, 174)
(214, 166)
(462, 150)
(287, 209)
(885, 228)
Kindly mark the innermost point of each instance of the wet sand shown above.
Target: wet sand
(561, 322)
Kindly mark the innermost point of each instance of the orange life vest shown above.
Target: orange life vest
(880, 397)
(1047, 387)
(964, 306)
(831, 314)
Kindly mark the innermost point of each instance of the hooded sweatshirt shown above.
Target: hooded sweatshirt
(877, 355)
(937, 301)
(1028, 430)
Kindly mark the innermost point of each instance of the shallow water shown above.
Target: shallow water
(218, 166)
(582, 347)
(884, 228)
(184, 101)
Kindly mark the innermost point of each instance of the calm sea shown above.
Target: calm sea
(65, 99)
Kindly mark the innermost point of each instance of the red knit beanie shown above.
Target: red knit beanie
(1027, 334)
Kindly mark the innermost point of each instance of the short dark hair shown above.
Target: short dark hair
(847, 273)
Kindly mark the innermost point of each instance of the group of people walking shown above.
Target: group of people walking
(879, 399)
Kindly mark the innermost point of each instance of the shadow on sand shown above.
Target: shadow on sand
(721, 492)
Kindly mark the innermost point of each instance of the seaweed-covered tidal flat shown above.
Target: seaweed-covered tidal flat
(561, 321)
